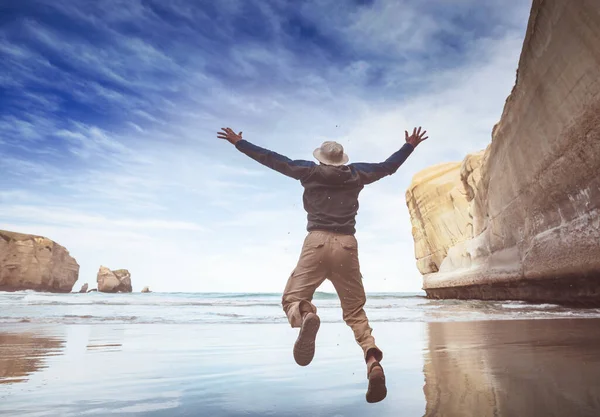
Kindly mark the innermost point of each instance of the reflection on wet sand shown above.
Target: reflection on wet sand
(513, 368)
(480, 369)
(22, 354)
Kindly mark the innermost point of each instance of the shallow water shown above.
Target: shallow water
(484, 368)
(217, 355)
(198, 370)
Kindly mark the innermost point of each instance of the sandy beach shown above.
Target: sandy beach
(482, 368)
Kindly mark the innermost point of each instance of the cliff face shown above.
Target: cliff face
(526, 224)
(30, 262)
(439, 208)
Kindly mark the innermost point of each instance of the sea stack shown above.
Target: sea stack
(146, 289)
(113, 281)
(84, 288)
(522, 219)
(30, 262)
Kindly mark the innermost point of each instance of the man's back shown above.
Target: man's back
(330, 192)
(331, 198)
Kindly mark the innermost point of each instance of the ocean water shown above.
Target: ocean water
(256, 308)
(230, 355)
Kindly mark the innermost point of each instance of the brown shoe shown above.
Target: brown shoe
(304, 348)
(377, 390)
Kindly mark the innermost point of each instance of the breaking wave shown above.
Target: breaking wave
(256, 308)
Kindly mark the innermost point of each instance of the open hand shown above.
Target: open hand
(416, 137)
(229, 135)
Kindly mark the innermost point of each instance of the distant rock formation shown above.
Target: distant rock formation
(93, 290)
(29, 262)
(113, 281)
(146, 289)
(522, 220)
(84, 288)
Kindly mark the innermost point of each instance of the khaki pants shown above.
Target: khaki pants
(328, 255)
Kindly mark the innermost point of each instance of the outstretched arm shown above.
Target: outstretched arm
(294, 169)
(370, 173)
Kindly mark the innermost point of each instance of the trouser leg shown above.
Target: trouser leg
(308, 275)
(347, 280)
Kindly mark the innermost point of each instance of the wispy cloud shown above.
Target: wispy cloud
(72, 218)
(109, 114)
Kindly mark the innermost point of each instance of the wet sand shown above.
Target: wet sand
(487, 368)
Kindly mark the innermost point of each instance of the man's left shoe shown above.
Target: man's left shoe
(304, 348)
(377, 390)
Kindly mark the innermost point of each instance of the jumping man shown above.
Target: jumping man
(330, 250)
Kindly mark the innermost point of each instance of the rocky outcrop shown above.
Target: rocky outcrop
(84, 288)
(113, 281)
(29, 262)
(523, 222)
(146, 289)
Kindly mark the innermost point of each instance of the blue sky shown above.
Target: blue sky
(109, 112)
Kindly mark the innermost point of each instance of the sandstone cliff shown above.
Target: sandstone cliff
(113, 281)
(522, 220)
(29, 262)
(439, 210)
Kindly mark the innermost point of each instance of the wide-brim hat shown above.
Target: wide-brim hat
(331, 153)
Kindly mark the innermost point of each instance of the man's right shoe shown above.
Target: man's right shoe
(304, 348)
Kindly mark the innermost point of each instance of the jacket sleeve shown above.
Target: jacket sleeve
(295, 169)
(369, 173)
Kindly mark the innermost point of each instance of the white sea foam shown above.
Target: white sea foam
(212, 308)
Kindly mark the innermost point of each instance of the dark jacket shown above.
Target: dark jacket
(330, 192)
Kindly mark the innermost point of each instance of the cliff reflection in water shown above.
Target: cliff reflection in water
(513, 368)
(22, 354)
